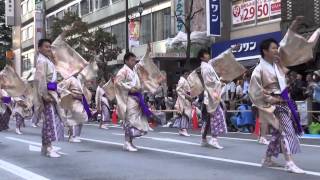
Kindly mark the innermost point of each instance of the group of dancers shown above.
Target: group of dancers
(65, 103)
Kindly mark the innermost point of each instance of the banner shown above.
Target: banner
(180, 13)
(134, 33)
(244, 11)
(213, 17)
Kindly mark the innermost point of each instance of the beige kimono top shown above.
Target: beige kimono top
(183, 105)
(74, 110)
(125, 80)
(265, 81)
(213, 87)
(45, 72)
(100, 97)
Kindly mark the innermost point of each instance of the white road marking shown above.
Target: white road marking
(55, 148)
(239, 139)
(112, 126)
(194, 155)
(163, 139)
(34, 148)
(18, 171)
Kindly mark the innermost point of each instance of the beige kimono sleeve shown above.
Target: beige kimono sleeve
(40, 77)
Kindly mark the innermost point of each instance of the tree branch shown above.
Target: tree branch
(198, 11)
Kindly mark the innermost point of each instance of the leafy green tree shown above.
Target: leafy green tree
(76, 33)
(98, 45)
(103, 43)
(5, 35)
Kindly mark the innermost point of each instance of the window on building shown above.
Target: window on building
(115, 1)
(120, 33)
(27, 61)
(30, 32)
(75, 9)
(50, 20)
(92, 5)
(24, 8)
(84, 5)
(248, 12)
(60, 15)
(107, 29)
(30, 5)
(161, 24)
(104, 3)
(145, 33)
(24, 34)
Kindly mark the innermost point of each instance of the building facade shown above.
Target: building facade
(156, 24)
(251, 21)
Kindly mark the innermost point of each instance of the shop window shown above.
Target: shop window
(252, 12)
(161, 24)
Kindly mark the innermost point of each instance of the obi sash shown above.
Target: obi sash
(285, 96)
(6, 99)
(52, 86)
(86, 106)
(142, 104)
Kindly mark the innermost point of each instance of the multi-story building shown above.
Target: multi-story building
(158, 23)
(251, 21)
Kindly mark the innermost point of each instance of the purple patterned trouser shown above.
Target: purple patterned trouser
(217, 124)
(19, 120)
(285, 136)
(182, 122)
(131, 132)
(52, 129)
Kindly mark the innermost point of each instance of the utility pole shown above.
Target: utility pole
(127, 24)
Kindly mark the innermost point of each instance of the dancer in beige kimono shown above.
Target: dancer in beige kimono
(183, 106)
(103, 106)
(46, 77)
(128, 89)
(21, 110)
(268, 91)
(72, 103)
(214, 117)
(127, 85)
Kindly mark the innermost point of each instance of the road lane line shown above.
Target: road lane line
(97, 125)
(238, 139)
(18, 171)
(56, 148)
(194, 155)
(163, 139)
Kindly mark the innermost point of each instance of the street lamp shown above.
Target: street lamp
(127, 24)
(140, 9)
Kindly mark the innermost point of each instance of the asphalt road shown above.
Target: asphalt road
(163, 155)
